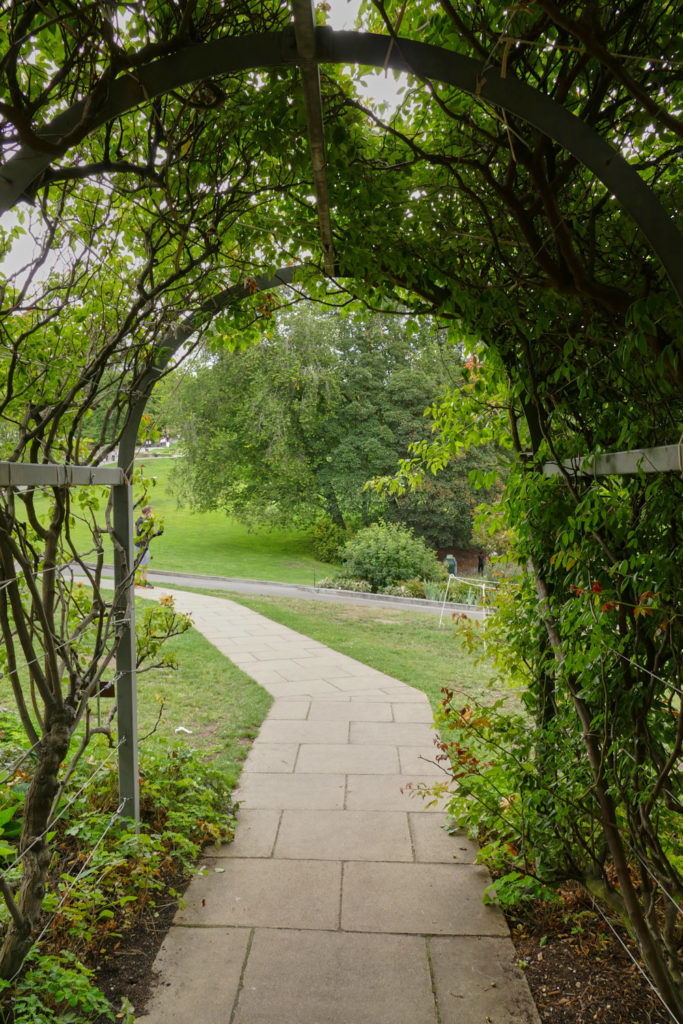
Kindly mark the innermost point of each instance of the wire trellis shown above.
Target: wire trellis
(17, 764)
(74, 881)
(37, 839)
(634, 961)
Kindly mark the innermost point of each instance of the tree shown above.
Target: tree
(295, 425)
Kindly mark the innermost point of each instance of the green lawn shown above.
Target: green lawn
(407, 645)
(206, 694)
(210, 542)
(221, 707)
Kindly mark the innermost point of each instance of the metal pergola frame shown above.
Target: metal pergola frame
(666, 458)
(13, 474)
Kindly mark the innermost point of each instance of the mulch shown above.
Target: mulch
(577, 969)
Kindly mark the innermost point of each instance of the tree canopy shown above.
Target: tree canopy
(295, 426)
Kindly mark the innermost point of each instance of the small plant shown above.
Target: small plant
(433, 591)
(357, 586)
(327, 583)
(533, 834)
(54, 990)
(415, 587)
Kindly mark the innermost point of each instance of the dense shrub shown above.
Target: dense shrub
(386, 553)
(328, 540)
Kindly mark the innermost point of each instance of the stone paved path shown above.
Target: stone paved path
(341, 901)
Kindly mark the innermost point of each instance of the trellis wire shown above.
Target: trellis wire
(63, 811)
(654, 878)
(631, 956)
(24, 756)
(71, 886)
(59, 647)
(35, 575)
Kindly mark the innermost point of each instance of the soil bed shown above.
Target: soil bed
(578, 970)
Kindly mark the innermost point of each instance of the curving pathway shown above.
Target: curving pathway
(341, 901)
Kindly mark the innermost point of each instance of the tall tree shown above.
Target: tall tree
(297, 424)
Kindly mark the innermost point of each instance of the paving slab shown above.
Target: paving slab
(290, 669)
(346, 758)
(404, 696)
(274, 731)
(280, 687)
(349, 711)
(345, 835)
(336, 978)
(413, 712)
(435, 846)
(269, 893)
(300, 789)
(292, 710)
(423, 899)
(477, 979)
(356, 685)
(390, 793)
(416, 761)
(187, 958)
(255, 837)
(393, 733)
(272, 757)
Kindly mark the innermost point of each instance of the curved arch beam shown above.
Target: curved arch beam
(279, 48)
(177, 337)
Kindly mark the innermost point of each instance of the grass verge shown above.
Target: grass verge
(208, 703)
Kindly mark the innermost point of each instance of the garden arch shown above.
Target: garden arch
(426, 61)
(307, 46)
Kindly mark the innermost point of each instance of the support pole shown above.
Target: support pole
(445, 598)
(126, 686)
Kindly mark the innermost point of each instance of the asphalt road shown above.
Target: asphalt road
(237, 585)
